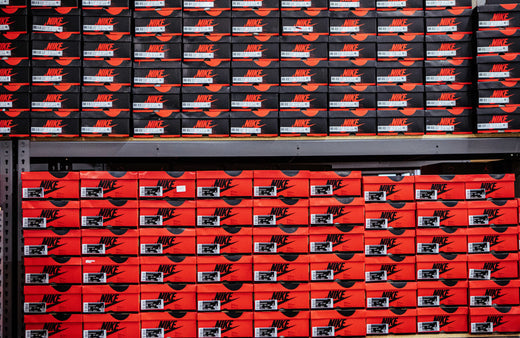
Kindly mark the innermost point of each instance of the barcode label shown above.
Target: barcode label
(264, 220)
(321, 246)
(300, 130)
(41, 52)
(480, 247)
(144, 105)
(148, 130)
(95, 104)
(375, 196)
(383, 79)
(344, 29)
(241, 79)
(157, 332)
(344, 104)
(105, 28)
(284, 104)
(152, 276)
(343, 4)
(265, 276)
(322, 190)
(429, 221)
(35, 250)
(42, 28)
(286, 79)
(34, 222)
(266, 305)
(322, 275)
(479, 274)
(488, 126)
(428, 248)
(151, 191)
(392, 128)
(481, 301)
(237, 130)
(152, 304)
(487, 75)
(208, 191)
(437, 29)
(428, 274)
(475, 194)
(33, 193)
(247, 4)
(208, 249)
(430, 127)
(322, 303)
(151, 249)
(392, 103)
(486, 327)
(212, 221)
(91, 192)
(94, 307)
(378, 302)
(391, 4)
(199, 4)
(93, 249)
(94, 278)
(376, 223)
(428, 326)
(349, 54)
(375, 250)
(426, 301)
(195, 29)
(158, 29)
(441, 3)
(449, 78)
(47, 78)
(261, 332)
(296, 3)
(494, 49)
(286, 54)
(504, 23)
(247, 54)
(294, 29)
(99, 130)
(383, 53)
(248, 29)
(154, 4)
(153, 80)
(269, 191)
(427, 195)
(195, 80)
(441, 53)
(336, 79)
(34, 307)
(478, 220)
(150, 55)
(266, 247)
(36, 334)
(375, 276)
(199, 55)
(98, 79)
(94, 334)
(322, 219)
(209, 276)
(209, 305)
(206, 131)
(377, 328)
(37, 278)
(46, 130)
(323, 331)
(392, 29)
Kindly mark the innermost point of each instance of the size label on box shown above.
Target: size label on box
(391, 3)
(45, 104)
(392, 103)
(343, 129)
(392, 128)
(478, 219)
(265, 276)
(196, 29)
(378, 302)
(149, 80)
(322, 275)
(266, 332)
(94, 307)
(296, 3)
(301, 130)
(426, 195)
(426, 301)
(34, 307)
(427, 248)
(486, 327)
(344, 104)
(336, 79)
(344, 29)
(248, 29)
(433, 103)
(493, 49)
(375, 276)
(91, 221)
(391, 78)
(208, 305)
(375, 250)
(428, 327)
(481, 301)
(5, 104)
(344, 54)
(92, 192)
(100, 277)
(89, 3)
(149, 131)
(344, 4)
(247, 3)
(487, 75)
(149, 4)
(449, 78)
(37, 278)
(241, 79)
(440, 3)
(322, 190)
(100, 130)
(375, 196)
(441, 53)
(323, 331)
(384, 53)
(266, 305)
(377, 328)
(103, 79)
(35, 250)
(5, 79)
(429, 221)
(321, 246)
(92, 28)
(152, 304)
(149, 55)
(428, 274)
(322, 219)
(207, 277)
(93, 249)
(488, 100)
(392, 29)
(438, 29)
(151, 249)
(237, 130)
(152, 276)
(197, 80)
(487, 126)
(145, 105)
(34, 222)
(42, 52)
(196, 105)
(145, 29)
(247, 55)
(247, 104)
(322, 303)
(290, 104)
(211, 221)
(199, 4)
(298, 29)
(197, 131)
(264, 220)
(208, 249)
(33, 193)
(286, 54)
(95, 104)
(54, 78)
(504, 23)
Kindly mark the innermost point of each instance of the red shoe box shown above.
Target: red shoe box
(213, 184)
(229, 212)
(58, 242)
(339, 238)
(391, 321)
(55, 298)
(167, 184)
(56, 270)
(50, 184)
(450, 21)
(442, 319)
(281, 239)
(281, 268)
(335, 183)
(494, 292)
(493, 265)
(494, 319)
(110, 298)
(390, 268)
(303, 123)
(174, 324)
(167, 213)
(57, 325)
(352, 122)
(389, 215)
(336, 323)
(224, 268)
(224, 297)
(109, 213)
(109, 242)
(439, 187)
(112, 269)
(336, 210)
(287, 183)
(449, 46)
(224, 240)
(391, 294)
(167, 269)
(115, 325)
(108, 184)
(168, 297)
(493, 238)
(167, 241)
(441, 239)
(234, 324)
(337, 294)
(388, 188)
(390, 241)
(496, 186)
(446, 213)
(284, 295)
(442, 266)
(260, 123)
(281, 323)
(55, 214)
(285, 211)
(496, 212)
(497, 17)
(442, 293)
(342, 266)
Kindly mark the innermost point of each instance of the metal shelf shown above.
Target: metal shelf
(277, 147)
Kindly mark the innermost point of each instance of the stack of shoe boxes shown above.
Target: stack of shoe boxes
(15, 75)
(498, 50)
(400, 56)
(449, 79)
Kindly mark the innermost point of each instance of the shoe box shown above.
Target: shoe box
(53, 23)
(199, 52)
(161, 104)
(156, 51)
(12, 103)
(214, 7)
(50, 214)
(103, 22)
(356, 97)
(388, 188)
(169, 213)
(442, 213)
(408, 74)
(204, 24)
(283, 211)
(50, 185)
(105, 123)
(260, 123)
(346, 75)
(56, 52)
(498, 68)
(335, 239)
(494, 265)
(402, 23)
(289, 323)
(55, 270)
(57, 102)
(442, 293)
(400, 47)
(14, 124)
(113, 79)
(166, 184)
(336, 210)
(335, 183)
(110, 269)
(390, 241)
(342, 266)
(337, 294)
(449, 21)
(500, 42)
(232, 324)
(303, 123)
(495, 212)
(116, 6)
(225, 183)
(157, 80)
(175, 324)
(498, 16)
(281, 183)
(219, 212)
(55, 241)
(398, 102)
(494, 292)
(446, 72)
(442, 319)
(258, 51)
(311, 102)
(498, 120)
(109, 242)
(352, 50)
(157, 22)
(451, 96)
(110, 298)
(498, 94)
(108, 103)
(60, 298)
(283, 295)
(345, 6)
(168, 297)
(297, 51)
(391, 321)
(441, 5)
(394, 5)
(280, 268)
(199, 100)
(339, 322)
(55, 123)
(148, 125)
(54, 325)
(391, 294)
(109, 213)
(390, 267)
(255, 23)
(439, 187)
(303, 79)
(442, 239)
(167, 269)
(108, 184)
(449, 46)
(56, 79)
(315, 7)
(14, 79)
(244, 8)
(352, 22)
(225, 240)
(205, 124)
(281, 239)
(352, 122)
(166, 241)
(442, 266)
(224, 297)
(304, 25)
(117, 325)
(494, 319)
(493, 238)
(224, 268)
(244, 80)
